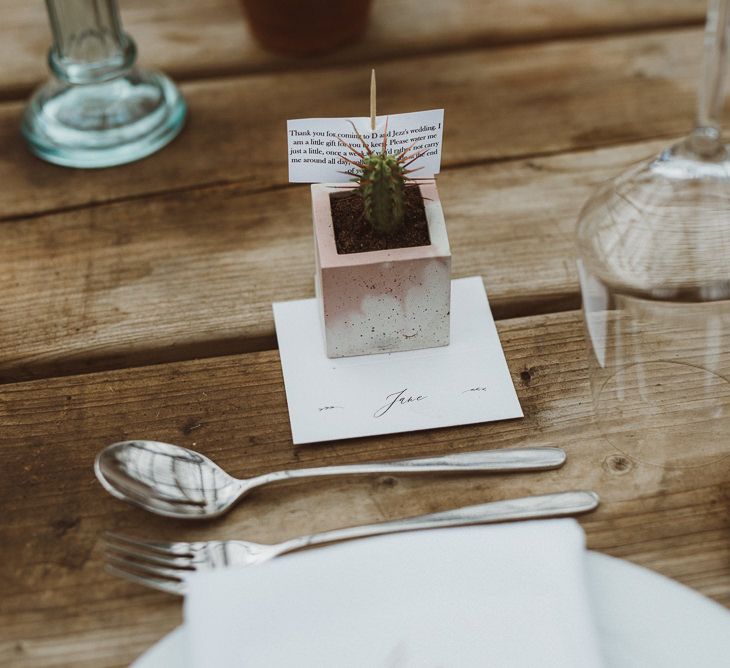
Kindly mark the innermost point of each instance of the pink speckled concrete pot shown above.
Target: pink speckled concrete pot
(382, 301)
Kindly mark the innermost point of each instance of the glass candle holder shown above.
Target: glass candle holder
(98, 109)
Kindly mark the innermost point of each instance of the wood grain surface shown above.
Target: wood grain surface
(500, 104)
(58, 606)
(192, 39)
(194, 274)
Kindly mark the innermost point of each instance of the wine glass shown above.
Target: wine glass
(654, 264)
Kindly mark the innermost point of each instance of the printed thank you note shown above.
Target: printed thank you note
(314, 150)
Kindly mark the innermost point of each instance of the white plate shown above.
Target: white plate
(644, 620)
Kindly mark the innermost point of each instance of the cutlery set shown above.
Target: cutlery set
(176, 482)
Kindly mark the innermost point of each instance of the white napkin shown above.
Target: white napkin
(508, 595)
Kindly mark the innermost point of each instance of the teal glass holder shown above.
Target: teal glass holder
(98, 109)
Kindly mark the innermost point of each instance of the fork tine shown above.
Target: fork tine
(142, 568)
(124, 550)
(169, 549)
(167, 586)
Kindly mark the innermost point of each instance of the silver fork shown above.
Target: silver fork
(169, 566)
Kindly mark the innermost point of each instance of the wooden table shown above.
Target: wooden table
(136, 301)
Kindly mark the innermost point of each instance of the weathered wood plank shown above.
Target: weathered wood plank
(194, 274)
(58, 607)
(501, 103)
(190, 37)
(199, 38)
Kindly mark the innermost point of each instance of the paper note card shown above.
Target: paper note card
(314, 150)
(465, 382)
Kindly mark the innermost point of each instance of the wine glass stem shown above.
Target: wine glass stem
(712, 82)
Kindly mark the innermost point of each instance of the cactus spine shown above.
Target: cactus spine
(382, 179)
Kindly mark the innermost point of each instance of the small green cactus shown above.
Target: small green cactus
(382, 187)
(382, 179)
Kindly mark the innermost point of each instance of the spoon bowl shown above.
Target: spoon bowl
(167, 479)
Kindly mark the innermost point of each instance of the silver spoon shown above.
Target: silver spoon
(176, 482)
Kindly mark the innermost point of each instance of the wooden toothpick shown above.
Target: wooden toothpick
(372, 100)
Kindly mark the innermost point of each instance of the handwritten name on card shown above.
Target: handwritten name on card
(401, 398)
(395, 399)
(315, 152)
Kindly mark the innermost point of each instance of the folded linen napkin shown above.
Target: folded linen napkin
(508, 595)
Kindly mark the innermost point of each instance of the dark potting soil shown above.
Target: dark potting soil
(353, 234)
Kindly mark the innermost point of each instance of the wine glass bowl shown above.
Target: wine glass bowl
(654, 265)
(660, 230)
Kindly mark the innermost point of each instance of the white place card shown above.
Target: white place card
(465, 382)
(314, 150)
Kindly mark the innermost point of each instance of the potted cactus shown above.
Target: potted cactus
(383, 263)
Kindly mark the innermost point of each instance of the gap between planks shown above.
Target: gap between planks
(19, 93)
(223, 184)
(555, 97)
(554, 296)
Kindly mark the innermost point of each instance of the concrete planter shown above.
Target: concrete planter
(382, 301)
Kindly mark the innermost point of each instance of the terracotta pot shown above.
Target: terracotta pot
(306, 27)
(387, 300)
